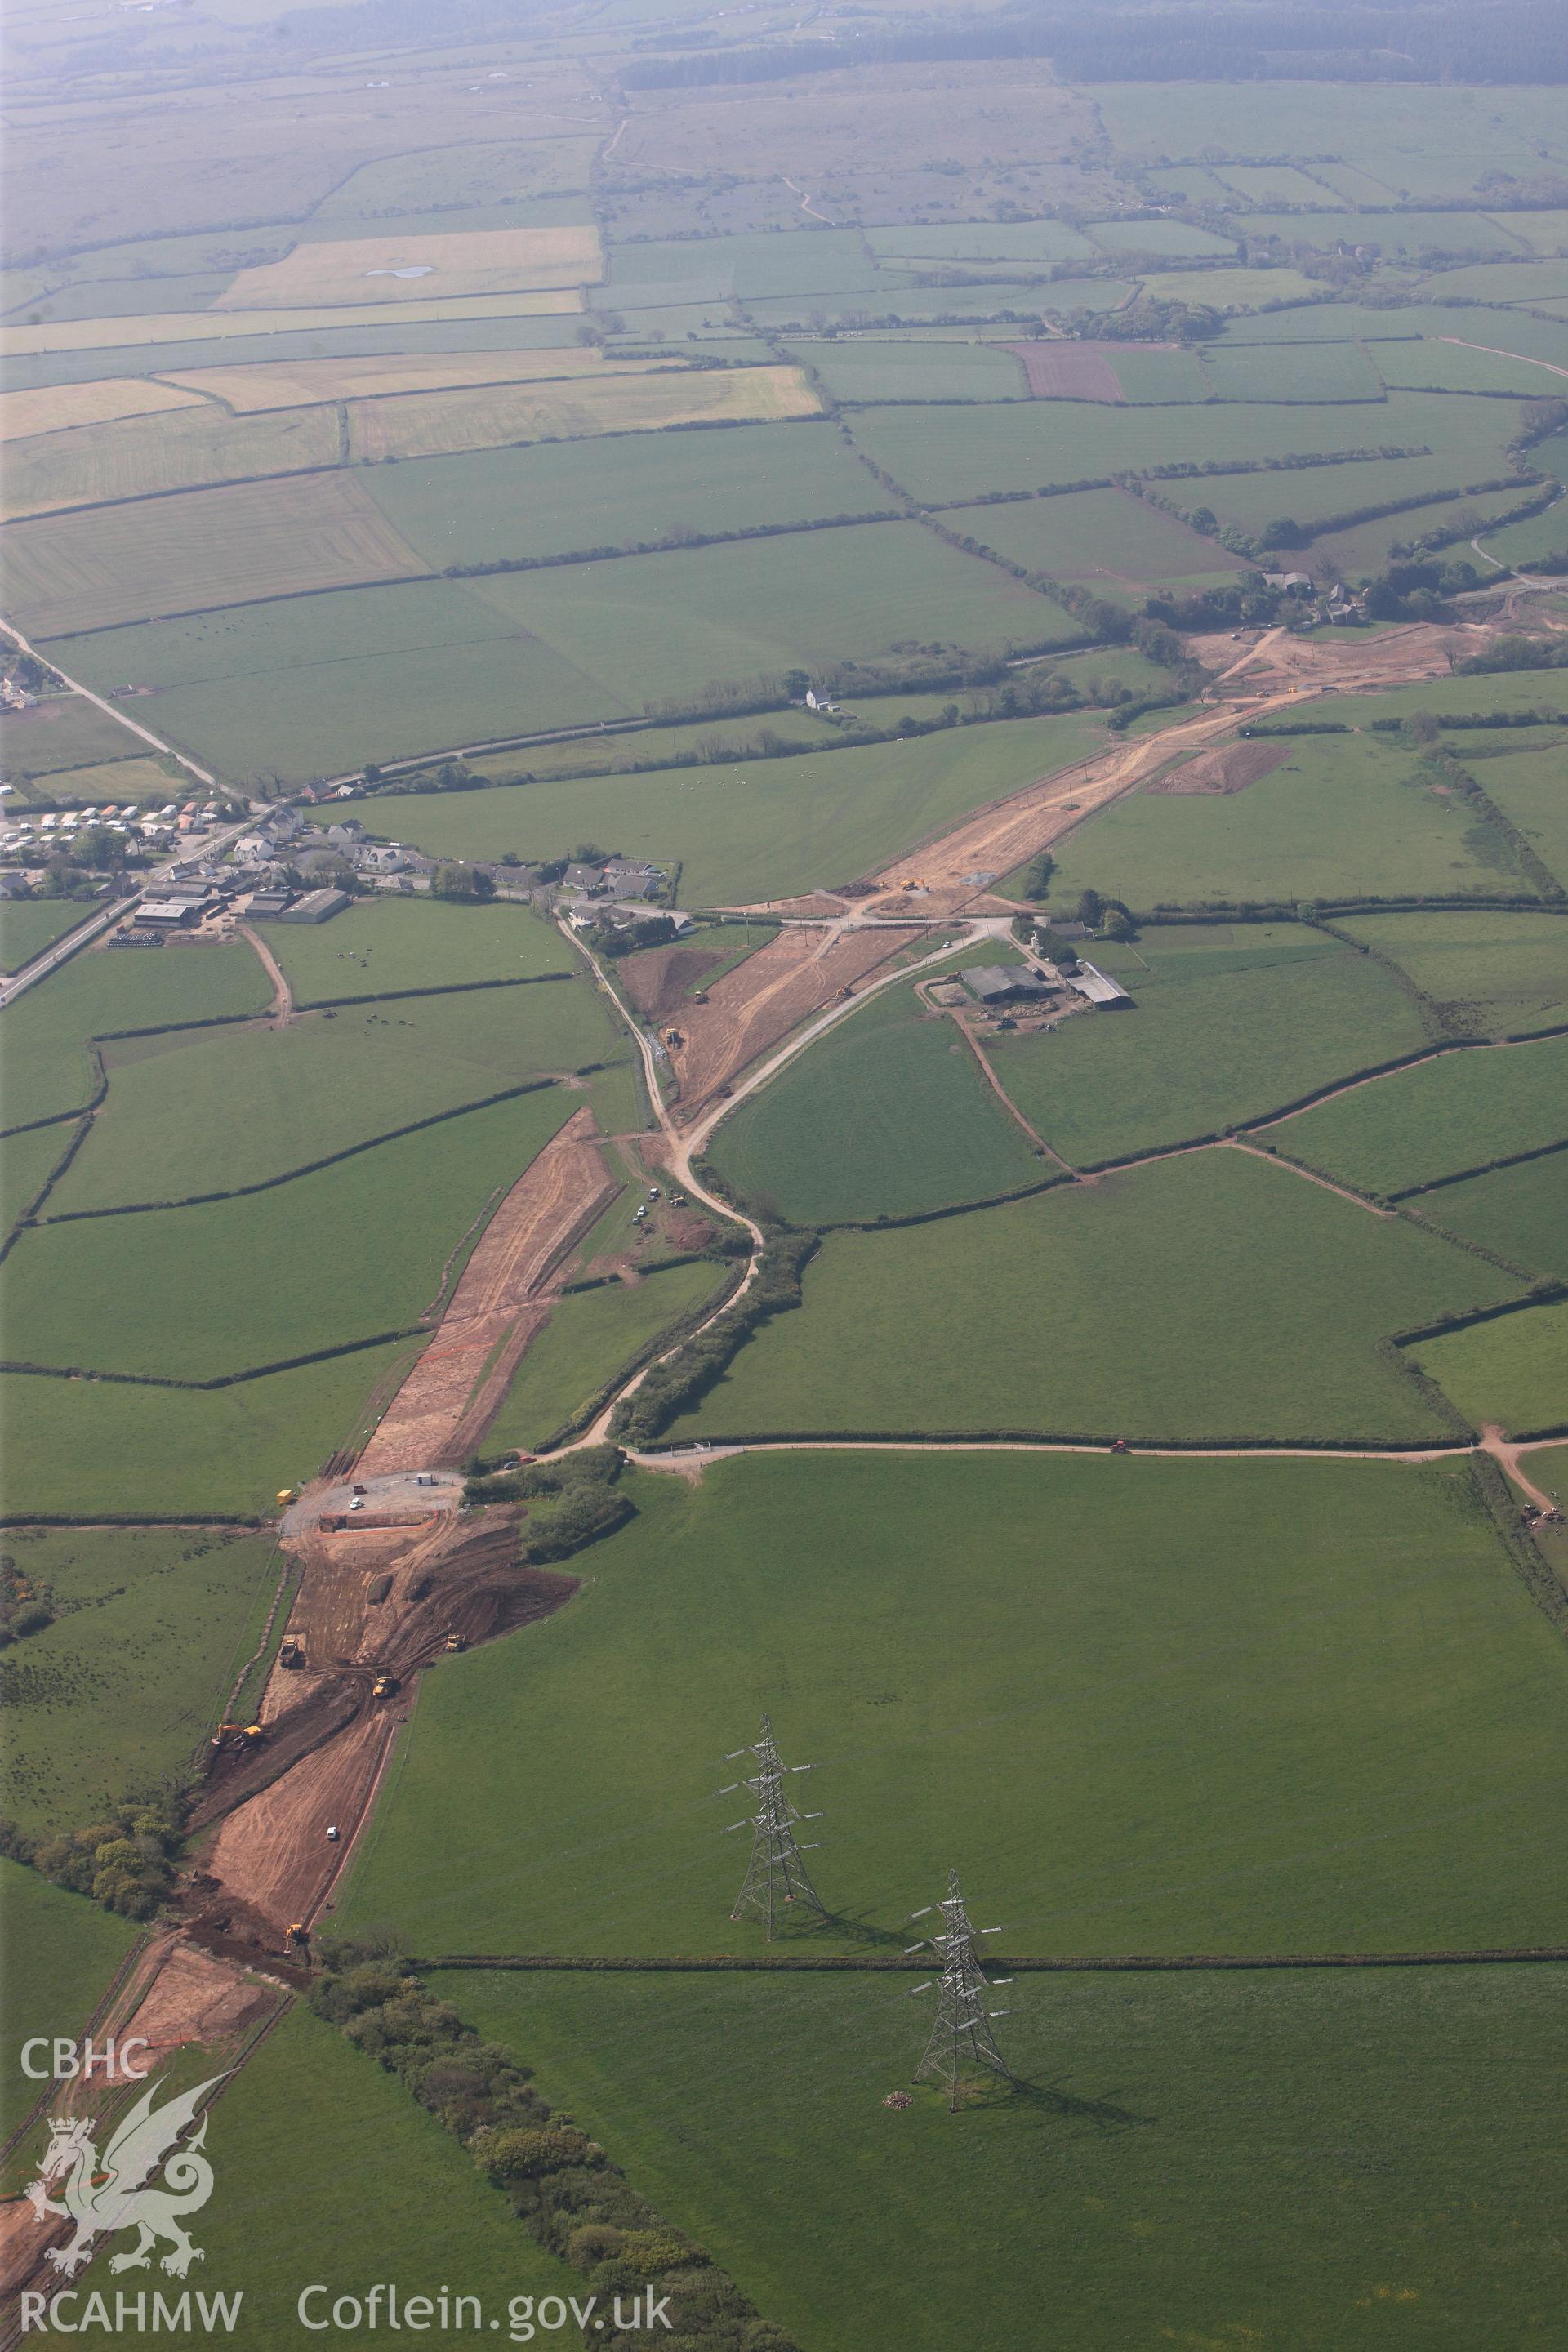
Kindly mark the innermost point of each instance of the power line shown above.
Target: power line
(776, 1875)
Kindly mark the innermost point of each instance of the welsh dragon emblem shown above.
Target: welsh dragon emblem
(105, 2194)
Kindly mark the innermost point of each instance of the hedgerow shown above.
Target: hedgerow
(562, 2185)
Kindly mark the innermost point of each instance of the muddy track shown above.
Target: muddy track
(440, 1413)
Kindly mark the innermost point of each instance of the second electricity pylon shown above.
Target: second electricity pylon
(776, 1875)
(961, 2033)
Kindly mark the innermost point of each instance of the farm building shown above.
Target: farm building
(167, 914)
(315, 906)
(1101, 989)
(1004, 983)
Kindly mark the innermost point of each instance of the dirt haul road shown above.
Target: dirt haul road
(763, 999)
(456, 1388)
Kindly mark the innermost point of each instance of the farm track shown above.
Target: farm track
(281, 1010)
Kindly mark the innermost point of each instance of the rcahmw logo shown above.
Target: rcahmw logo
(102, 2194)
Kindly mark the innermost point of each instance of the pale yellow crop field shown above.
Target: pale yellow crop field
(156, 556)
(186, 448)
(58, 406)
(299, 384)
(390, 269)
(433, 422)
(201, 326)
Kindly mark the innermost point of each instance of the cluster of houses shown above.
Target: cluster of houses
(1338, 605)
(618, 894)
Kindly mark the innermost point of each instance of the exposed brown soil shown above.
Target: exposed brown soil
(763, 999)
(271, 1862)
(1341, 659)
(1065, 370)
(657, 978)
(1229, 770)
(440, 1413)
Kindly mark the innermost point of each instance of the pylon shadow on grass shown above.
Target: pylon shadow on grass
(1103, 2115)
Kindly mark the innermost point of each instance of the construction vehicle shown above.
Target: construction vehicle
(254, 1733)
(456, 1642)
(383, 1686)
(286, 1493)
(699, 996)
(673, 1037)
(297, 1937)
(292, 1653)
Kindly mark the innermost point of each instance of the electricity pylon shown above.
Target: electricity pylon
(776, 1874)
(961, 2033)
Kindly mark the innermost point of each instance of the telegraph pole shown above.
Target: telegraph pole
(776, 1874)
(961, 2033)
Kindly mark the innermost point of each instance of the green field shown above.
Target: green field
(1146, 1707)
(1520, 1211)
(376, 672)
(1496, 974)
(1277, 1288)
(745, 831)
(45, 1032)
(1315, 495)
(373, 674)
(379, 944)
(590, 1336)
(1416, 140)
(1228, 1025)
(713, 269)
(872, 369)
(1513, 1371)
(26, 1164)
(1341, 817)
(1178, 239)
(150, 1629)
(1297, 373)
(61, 1952)
(649, 627)
(211, 1110)
(323, 2157)
(1024, 445)
(493, 505)
(1089, 534)
(887, 1116)
(1461, 1110)
(1361, 549)
(28, 926)
(62, 731)
(349, 1253)
(1451, 367)
(89, 1446)
(1381, 2145)
(1035, 240)
(1528, 787)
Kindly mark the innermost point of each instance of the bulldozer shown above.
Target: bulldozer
(383, 1686)
(456, 1642)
